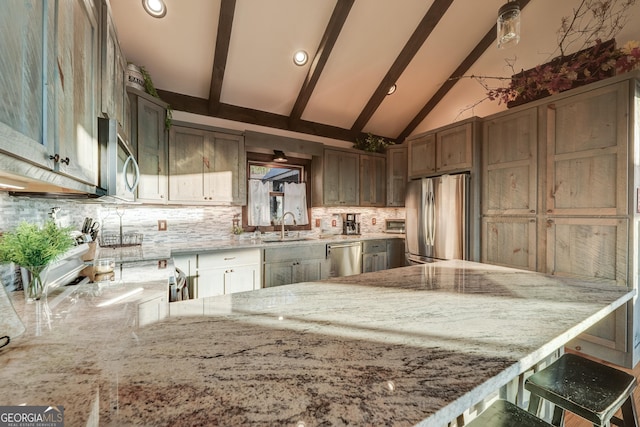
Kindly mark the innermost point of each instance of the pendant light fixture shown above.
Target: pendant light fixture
(278, 156)
(508, 24)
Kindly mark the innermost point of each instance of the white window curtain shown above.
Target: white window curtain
(258, 213)
(295, 201)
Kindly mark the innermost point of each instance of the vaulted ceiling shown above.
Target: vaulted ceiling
(232, 59)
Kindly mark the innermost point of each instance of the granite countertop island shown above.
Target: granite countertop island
(414, 345)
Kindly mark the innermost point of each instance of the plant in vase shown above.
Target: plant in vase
(34, 248)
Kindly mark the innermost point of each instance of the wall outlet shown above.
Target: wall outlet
(334, 223)
(373, 221)
(317, 222)
(162, 225)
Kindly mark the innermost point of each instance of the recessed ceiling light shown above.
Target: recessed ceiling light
(155, 8)
(300, 57)
(392, 89)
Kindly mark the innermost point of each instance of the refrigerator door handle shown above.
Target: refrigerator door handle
(429, 213)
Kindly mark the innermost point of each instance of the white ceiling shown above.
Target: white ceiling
(260, 76)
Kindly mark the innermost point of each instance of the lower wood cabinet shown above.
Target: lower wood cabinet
(294, 264)
(374, 255)
(509, 241)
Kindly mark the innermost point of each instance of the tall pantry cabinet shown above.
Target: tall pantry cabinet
(560, 185)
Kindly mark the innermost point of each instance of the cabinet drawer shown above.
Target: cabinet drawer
(295, 252)
(374, 246)
(228, 258)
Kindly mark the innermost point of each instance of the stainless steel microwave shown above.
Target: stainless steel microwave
(119, 171)
(394, 226)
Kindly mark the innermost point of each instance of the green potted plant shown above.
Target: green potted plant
(372, 143)
(34, 248)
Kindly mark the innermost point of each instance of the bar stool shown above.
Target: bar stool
(505, 414)
(589, 389)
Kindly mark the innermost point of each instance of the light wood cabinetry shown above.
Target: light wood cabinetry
(422, 155)
(114, 99)
(558, 197)
(341, 178)
(206, 166)
(76, 92)
(149, 136)
(373, 178)
(446, 150)
(509, 193)
(396, 256)
(396, 175)
(374, 255)
(349, 178)
(294, 264)
(49, 111)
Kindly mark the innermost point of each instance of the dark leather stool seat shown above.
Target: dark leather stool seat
(505, 414)
(589, 389)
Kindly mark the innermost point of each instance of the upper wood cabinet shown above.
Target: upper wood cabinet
(422, 156)
(114, 99)
(206, 166)
(509, 164)
(49, 111)
(341, 176)
(396, 175)
(587, 153)
(445, 150)
(76, 97)
(372, 180)
(23, 129)
(149, 138)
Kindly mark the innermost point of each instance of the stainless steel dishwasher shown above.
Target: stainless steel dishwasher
(345, 258)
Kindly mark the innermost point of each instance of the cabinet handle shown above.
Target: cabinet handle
(56, 159)
(229, 258)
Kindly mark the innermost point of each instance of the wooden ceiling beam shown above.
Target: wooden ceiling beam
(487, 41)
(200, 106)
(413, 45)
(223, 38)
(331, 33)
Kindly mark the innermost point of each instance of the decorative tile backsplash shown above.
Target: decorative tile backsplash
(183, 223)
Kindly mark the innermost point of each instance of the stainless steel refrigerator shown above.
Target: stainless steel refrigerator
(437, 218)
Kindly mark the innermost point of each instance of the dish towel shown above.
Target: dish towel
(295, 201)
(258, 213)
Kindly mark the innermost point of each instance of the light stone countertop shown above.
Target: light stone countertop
(415, 345)
(153, 251)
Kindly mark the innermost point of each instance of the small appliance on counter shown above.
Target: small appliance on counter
(350, 224)
(394, 226)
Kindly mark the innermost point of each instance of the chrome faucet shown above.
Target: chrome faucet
(282, 223)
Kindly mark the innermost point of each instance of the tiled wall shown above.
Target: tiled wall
(184, 223)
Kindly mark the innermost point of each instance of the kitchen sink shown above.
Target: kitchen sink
(286, 239)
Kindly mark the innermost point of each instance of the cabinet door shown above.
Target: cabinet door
(112, 68)
(210, 282)
(225, 178)
(510, 163)
(374, 262)
(153, 310)
(152, 150)
(372, 180)
(454, 148)
(587, 153)
(308, 270)
(278, 274)
(22, 26)
(76, 92)
(422, 156)
(187, 163)
(509, 241)
(396, 176)
(341, 176)
(241, 278)
(588, 247)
